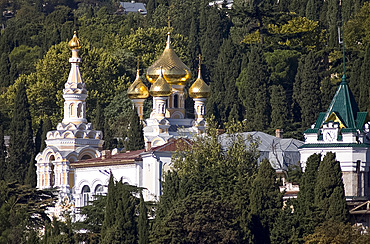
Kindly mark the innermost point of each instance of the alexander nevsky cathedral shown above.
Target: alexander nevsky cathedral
(76, 165)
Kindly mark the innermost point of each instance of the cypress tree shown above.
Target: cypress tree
(143, 224)
(21, 147)
(354, 80)
(364, 101)
(279, 109)
(135, 133)
(31, 177)
(38, 138)
(305, 206)
(329, 191)
(99, 117)
(252, 85)
(46, 127)
(309, 92)
(110, 209)
(216, 30)
(128, 224)
(193, 47)
(4, 70)
(313, 9)
(266, 201)
(109, 141)
(2, 153)
(224, 92)
(332, 20)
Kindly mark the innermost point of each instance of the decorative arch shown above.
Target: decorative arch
(91, 135)
(177, 115)
(68, 134)
(157, 142)
(87, 151)
(79, 134)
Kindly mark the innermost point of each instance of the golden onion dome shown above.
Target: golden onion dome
(137, 90)
(199, 89)
(74, 43)
(160, 88)
(174, 70)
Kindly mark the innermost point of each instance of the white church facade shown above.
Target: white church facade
(74, 161)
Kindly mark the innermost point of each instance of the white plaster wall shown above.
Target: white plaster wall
(93, 176)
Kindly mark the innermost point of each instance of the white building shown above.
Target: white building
(344, 130)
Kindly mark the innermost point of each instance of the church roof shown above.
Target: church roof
(344, 108)
(173, 145)
(119, 158)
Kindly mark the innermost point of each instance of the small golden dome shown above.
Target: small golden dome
(160, 87)
(174, 70)
(199, 89)
(74, 43)
(137, 90)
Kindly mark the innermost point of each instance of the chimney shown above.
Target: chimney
(148, 145)
(279, 133)
(105, 154)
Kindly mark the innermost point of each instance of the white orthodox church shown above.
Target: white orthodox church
(73, 160)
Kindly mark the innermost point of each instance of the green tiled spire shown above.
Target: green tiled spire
(343, 105)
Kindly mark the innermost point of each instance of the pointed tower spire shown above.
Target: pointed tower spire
(138, 92)
(74, 92)
(199, 91)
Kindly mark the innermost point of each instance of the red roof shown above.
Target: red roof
(173, 145)
(119, 158)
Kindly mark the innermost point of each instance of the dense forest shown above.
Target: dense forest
(271, 64)
(274, 64)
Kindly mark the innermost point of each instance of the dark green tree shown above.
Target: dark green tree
(135, 133)
(308, 89)
(38, 137)
(109, 141)
(266, 202)
(46, 127)
(143, 223)
(332, 16)
(252, 84)
(313, 9)
(305, 206)
(31, 177)
(365, 82)
(21, 147)
(279, 111)
(99, 117)
(329, 191)
(224, 92)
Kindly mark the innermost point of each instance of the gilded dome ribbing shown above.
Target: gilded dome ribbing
(199, 89)
(74, 43)
(174, 70)
(160, 87)
(137, 90)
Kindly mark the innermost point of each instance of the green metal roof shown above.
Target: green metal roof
(361, 119)
(344, 105)
(325, 145)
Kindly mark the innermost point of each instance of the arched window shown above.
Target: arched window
(79, 110)
(85, 195)
(86, 157)
(176, 101)
(99, 190)
(52, 175)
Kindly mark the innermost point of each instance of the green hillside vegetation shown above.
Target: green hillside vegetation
(271, 64)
